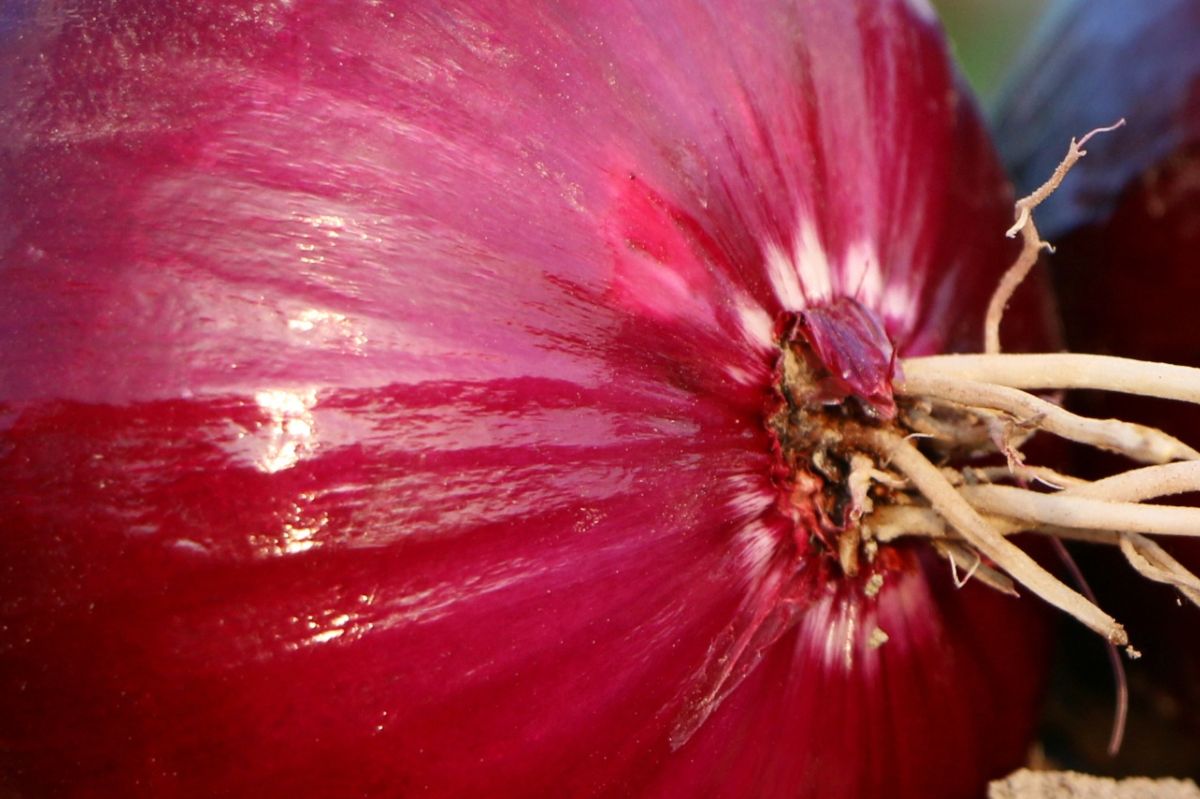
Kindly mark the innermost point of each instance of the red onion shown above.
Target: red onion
(395, 401)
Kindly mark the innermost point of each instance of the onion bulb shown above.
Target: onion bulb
(458, 399)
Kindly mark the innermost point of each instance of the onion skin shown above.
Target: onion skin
(1126, 228)
(382, 396)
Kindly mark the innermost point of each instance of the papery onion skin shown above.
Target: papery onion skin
(382, 396)
(1126, 228)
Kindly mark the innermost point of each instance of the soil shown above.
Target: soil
(1027, 784)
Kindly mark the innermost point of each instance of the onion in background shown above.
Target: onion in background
(383, 392)
(1126, 225)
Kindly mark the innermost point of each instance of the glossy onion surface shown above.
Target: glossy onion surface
(382, 398)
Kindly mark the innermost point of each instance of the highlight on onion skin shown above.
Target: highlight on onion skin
(1126, 230)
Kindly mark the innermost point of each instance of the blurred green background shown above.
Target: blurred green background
(987, 36)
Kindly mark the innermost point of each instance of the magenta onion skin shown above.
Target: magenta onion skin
(382, 397)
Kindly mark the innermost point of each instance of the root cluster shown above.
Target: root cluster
(953, 407)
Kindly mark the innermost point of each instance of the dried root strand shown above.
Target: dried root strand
(1144, 555)
(1063, 510)
(1075, 151)
(1121, 681)
(1155, 563)
(963, 557)
(1063, 370)
(892, 522)
(1048, 477)
(1138, 485)
(1032, 243)
(1141, 443)
(889, 523)
(946, 500)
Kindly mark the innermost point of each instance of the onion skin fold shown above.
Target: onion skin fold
(383, 392)
(1126, 227)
